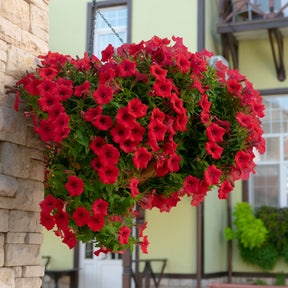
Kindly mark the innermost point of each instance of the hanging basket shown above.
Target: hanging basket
(147, 125)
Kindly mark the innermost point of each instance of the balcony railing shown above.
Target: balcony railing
(251, 10)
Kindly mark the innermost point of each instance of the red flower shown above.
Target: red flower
(133, 186)
(103, 122)
(191, 185)
(157, 115)
(214, 150)
(55, 111)
(79, 90)
(183, 63)
(119, 133)
(212, 175)
(45, 130)
(141, 228)
(107, 75)
(225, 188)
(136, 108)
(244, 120)
(181, 122)
(96, 164)
(126, 68)
(144, 245)
(177, 104)
(141, 158)
(158, 72)
(242, 159)
(136, 132)
(108, 154)
(158, 129)
(75, 185)
(47, 73)
(46, 87)
(62, 219)
(123, 236)
(215, 132)
(100, 207)
(233, 86)
(96, 144)
(64, 92)
(69, 239)
(173, 162)
(81, 216)
(47, 220)
(102, 250)
(96, 222)
(107, 53)
(108, 174)
(91, 114)
(47, 101)
(48, 204)
(163, 88)
(124, 118)
(103, 94)
(129, 146)
(205, 104)
(205, 118)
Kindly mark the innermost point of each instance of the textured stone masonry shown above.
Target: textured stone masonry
(23, 36)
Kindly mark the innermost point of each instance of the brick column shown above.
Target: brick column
(23, 36)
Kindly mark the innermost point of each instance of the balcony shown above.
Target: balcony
(254, 19)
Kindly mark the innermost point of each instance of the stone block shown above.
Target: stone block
(8, 186)
(4, 223)
(15, 238)
(17, 272)
(22, 254)
(12, 126)
(33, 44)
(34, 238)
(2, 239)
(7, 278)
(39, 23)
(23, 221)
(40, 4)
(18, 61)
(33, 139)
(28, 282)
(37, 170)
(33, 271)
(17, 11)
(14, 159)
(9, 32)
(3, 56)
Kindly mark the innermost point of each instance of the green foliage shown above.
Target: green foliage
(280, 279)
(261, 282)
(250, 231)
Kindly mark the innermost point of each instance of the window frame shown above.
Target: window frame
(265, 92)
(109, 4)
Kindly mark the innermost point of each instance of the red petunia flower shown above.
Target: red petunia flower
(107, 53)
(191, 185)
(47, 220)
(141, 228)
(107, 75)
(108, 154)
(136, 108)
(129, 146)
(242, 159)
(224, 189)
(48, 204)
(108, 174)
(205, 104)
(119, 133)
(180, 123)
(233, 86)
(124, 118)
(212, 175)
(96, 164)
(126, 68)
(62, 219)
(69, 239)
(183, 63)
(55, 111)
(64, 92)
(103, 94)
(214, 150)
(99, 207)
(158, 72)
(158, 129)
(177, 104)
(96, 222)
(133, 186)
(45, 130)
(79, 90)
(173, 162)
(96, 144)
(141, 158)
(215, 132)
(144, 245)
(47, 73)
(75, 185)
(205, 118)
(136, 132)
(163, 88)
(46, 87)
(102, 250)
(123, 236)
(48, 101)
(103, 122)
(81, 216)
(244, 120)
(92, 113)
(157, 115)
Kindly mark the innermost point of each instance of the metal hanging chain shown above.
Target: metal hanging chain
(91, 40)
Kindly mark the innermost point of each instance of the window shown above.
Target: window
(269, 186)
(117, 13)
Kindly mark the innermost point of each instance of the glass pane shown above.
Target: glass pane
(89, 250)
(285, 149)
(272, 150)
(266, 185)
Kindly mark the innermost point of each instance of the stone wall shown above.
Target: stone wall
(23, 36)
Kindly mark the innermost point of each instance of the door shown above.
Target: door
(104, 271)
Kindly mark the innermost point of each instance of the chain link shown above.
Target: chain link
(95, 11)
